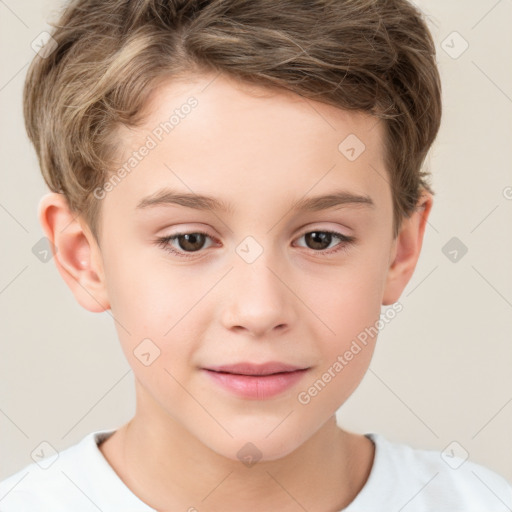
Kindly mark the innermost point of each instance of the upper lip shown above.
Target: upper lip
(256, 369)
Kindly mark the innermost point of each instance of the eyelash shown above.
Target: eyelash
(343, 246)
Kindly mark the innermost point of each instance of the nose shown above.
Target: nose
(257, 299)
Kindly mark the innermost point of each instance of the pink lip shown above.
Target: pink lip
(255, 381)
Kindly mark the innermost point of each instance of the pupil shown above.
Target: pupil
(319, 239)
(191, 241)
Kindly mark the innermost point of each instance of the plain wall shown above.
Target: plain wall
(442, 368)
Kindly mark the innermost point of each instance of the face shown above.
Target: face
(260, 273)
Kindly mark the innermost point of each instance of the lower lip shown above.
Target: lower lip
(257, 387)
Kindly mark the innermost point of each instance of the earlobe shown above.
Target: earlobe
(407, 250)
(76, 254)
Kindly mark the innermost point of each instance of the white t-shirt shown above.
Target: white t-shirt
(402, 478)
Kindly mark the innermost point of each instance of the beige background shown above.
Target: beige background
(442, 368)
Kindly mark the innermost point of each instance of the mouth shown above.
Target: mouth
(260, 370)
(256, 382)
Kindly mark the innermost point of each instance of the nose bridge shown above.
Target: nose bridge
(257, 299)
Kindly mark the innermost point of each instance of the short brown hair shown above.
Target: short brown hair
(376, 56)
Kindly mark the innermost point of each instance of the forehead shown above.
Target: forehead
(216, 136)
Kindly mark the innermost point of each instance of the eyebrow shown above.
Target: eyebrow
(169, 197)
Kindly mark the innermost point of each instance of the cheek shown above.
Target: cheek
(352, 314)
(145, 308)
(349, 306)
(347, 300)
(144, 294)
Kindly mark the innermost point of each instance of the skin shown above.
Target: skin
(259, 150)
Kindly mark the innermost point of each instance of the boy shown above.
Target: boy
(239, 183)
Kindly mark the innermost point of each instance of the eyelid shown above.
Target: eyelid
(164, 242)
(345, 240)
(323, 229)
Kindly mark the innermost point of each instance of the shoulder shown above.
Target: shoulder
(55, 483)
(439, 480)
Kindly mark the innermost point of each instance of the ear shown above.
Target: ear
(76, 253)
(406, 250)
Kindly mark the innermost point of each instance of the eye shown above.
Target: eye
(188, 242)
(192, 242)
(320, 240)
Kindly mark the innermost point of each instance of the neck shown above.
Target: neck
(169, 469)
